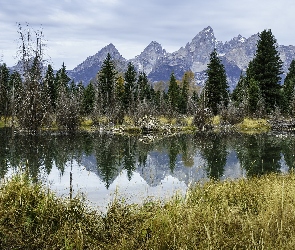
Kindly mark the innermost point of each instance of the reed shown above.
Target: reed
(257, 213)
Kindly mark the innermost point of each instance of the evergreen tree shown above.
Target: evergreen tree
(240, 93)
(62, 79)
(267, 68)
(50, 82)
(288, 88)
(4, 90)
(88, 99)
(173, 93)
(67, 109)
(106, 83)
(143, 87)
(120, 90)
(215, 155)
(183, 102)
(130, 91)
(216, 87)
(254, 96)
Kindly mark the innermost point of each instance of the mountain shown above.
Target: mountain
(158, 64)
(87, 70)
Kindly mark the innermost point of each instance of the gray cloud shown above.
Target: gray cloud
(76, 29)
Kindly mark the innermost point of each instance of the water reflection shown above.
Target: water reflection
(187, 158)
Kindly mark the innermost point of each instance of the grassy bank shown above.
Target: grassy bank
(247, 214)
(161, 124)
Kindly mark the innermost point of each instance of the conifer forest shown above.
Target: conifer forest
(35, 96)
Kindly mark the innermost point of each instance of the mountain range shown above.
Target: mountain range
(158, 64)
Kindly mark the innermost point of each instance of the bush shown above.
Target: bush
(203, 119)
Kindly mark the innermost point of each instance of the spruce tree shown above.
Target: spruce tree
(130, 87)
(5, 90)
(120, 90)
(184, 95)
(50, 82)
(216, 87)
(288, 88)
(62, 79)
(88, 99)
(254, 96)
(106, 84)
(173, 93)
(240, 93)
(267, 68)
(143, 87)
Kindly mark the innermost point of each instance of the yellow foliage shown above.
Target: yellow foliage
(216, 120)
(253, 125)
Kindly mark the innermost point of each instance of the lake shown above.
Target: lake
(141, 167)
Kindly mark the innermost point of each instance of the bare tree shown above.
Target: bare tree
(32, 104)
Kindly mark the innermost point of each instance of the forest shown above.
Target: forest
(36, 97)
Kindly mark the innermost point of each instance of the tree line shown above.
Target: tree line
(37, 97)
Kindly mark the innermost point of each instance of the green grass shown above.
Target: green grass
(246, 214)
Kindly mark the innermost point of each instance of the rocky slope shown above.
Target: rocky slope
(159, 64)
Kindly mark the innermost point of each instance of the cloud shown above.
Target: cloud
(76, 29)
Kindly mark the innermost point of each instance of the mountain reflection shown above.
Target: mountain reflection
(188, 158)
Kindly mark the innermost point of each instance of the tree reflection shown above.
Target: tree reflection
(214, 152)
(259, 154)
(111, 154)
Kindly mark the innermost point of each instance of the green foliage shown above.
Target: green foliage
(216, 87)
(215, 156)
(51, 86)
(266, 69)
(254, 96)
(130, 87)
(288, 89)
(62, 79)
(240, 93)
(144, 88)
(88, 99)
(5, 90)
(68, 118)
(184, 95)
(173, 93)
(106, 79)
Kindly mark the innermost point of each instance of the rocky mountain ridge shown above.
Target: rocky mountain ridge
(158, 64)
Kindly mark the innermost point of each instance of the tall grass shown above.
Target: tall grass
(258, 213)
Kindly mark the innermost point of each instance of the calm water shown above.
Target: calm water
(140, 167)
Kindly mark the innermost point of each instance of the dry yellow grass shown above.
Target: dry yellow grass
(258, 213)
(253, 125)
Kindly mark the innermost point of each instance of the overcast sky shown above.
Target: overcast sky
(76, 29)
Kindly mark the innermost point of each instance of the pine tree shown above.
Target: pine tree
(130, 90)
(88, 99)
(240, 93)
(254, 96)
(289, 88)
(4, 90)
(62, 79)
(106, 84)
(267, 68)
(183, 101)
(50, 82)
(143, 87)
(216, 87)
(119, 90)
(173, 93)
